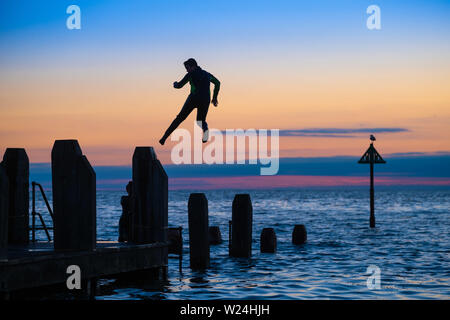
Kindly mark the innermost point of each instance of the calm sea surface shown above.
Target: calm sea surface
(410, 246)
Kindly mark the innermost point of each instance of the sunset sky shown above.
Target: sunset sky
(312, 67)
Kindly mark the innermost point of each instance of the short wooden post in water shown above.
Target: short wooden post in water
(4, 201)
(198, 231)
(215, 237)
(74, 197)
(268, 240)
(175, 239)
(149, 216)
(299, 235)
(241, 231)
(16, 165)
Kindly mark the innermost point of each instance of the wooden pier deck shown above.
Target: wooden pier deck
(38, 264)
(25, 265)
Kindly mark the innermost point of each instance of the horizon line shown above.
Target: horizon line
(399, 154)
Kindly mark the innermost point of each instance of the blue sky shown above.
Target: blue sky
(216, 24)
(96, 84)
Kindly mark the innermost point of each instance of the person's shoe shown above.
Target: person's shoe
(205, 136)
(162, 141)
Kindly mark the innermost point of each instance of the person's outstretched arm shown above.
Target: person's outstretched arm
(216, 89)
(179, 85)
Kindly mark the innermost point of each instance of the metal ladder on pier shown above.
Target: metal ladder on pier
(34, 213)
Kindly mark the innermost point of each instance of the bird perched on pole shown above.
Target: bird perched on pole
(372, 138)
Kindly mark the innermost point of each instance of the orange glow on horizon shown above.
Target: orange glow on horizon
(111, 110)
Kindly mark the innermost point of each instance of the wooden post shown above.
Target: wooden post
(215, 237)
(299, 235)
(141, 195)
(241, 231)
(198, 231)
(74, 197)
(268, 240)
(4, 202)
(175, 238)
(16, 165)
(160, 200)
(149, 198)
(230, 226)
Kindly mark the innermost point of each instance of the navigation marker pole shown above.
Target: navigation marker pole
(371, 156)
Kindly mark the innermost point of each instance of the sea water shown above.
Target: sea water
(410, 246)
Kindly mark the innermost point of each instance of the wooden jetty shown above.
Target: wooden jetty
(26, 264)
(38, 265)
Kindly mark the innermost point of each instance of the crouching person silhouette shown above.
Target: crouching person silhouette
(125, 218)
(199, 98)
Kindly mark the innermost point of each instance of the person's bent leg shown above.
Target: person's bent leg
(175, 123)
(202, 124)
(184, 113)
(202, 111)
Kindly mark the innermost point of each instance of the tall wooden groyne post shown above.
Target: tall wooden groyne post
(371, 156)
(149, 198)
(74, 197)
(241, 226)
(17, 168)
(198, 231)
(4, 204)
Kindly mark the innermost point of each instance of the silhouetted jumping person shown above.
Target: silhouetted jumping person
(199, 97)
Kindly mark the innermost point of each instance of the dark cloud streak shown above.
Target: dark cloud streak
(337, 132)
